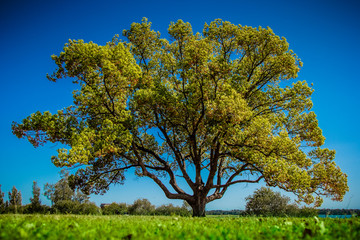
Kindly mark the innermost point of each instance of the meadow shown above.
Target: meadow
(160, 227)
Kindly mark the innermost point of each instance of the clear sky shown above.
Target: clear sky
(324, 34)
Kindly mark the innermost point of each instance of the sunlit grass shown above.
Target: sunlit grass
(157, 227)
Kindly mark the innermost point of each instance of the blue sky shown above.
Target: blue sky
(324, 34)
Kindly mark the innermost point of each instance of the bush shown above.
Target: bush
(307, 212)
(171, 210)
(89, 208)
(74, 207)
(66, 207)
(266, 202)
(115, 209)
(14, 209)
(142, 207)
(31, 208)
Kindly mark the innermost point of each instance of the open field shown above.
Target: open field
(155, 227)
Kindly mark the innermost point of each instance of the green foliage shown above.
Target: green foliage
(266, 202)
(35, 202)
(61, 191)
(89, 208)
(150, 227)
(141, 207)
(223, 103)
(15, 201)
(144, 207)
(115, 209)
(31, 209)
(307, 212)
(171, 210)
(66, 207)
(74, 207)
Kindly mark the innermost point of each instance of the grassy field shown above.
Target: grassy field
(149, 227)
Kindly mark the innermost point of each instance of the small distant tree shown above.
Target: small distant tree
(35, 202)
(266, 202)
(142, 207)
(2, 202)
(65, 199)
(61, 191)
(15, 200)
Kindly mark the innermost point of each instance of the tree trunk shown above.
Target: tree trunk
(199, 208)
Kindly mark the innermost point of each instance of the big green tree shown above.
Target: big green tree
(211, 109)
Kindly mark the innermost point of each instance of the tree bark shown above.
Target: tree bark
(198, 207)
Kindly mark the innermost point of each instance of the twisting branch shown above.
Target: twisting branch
(163, 162)
(168, 194)
(178, 156)
(218, 195)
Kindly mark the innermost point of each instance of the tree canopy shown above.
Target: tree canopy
(213, 109)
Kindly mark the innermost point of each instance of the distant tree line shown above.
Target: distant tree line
(266, 202)
(225, 212)
(327, 211)
(65, 200)
(144, 207)
(302, 212)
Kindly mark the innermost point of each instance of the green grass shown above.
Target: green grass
(155, 227)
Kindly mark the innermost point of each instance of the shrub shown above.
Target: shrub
(89, 208)
(308, 212)
(31, 208)
(171, 210)
(66, 207)
(142, 207)
(266, 202)
(115, 209)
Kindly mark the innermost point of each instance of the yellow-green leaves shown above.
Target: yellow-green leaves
(228, 109)
(180, 31)
(89, 144)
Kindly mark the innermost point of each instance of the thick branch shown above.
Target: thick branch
(158, 181)
(166, 167)
(178, 157)
(218, 195)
